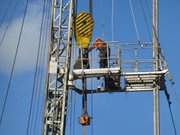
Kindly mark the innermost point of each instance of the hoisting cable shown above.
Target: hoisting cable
(102, 22)
(4, 33)
(112, 20)
(83, 33)
(14, 63)
(148, 15)
(28, 131)
(84, 118)
(91, 7)
(70, 112)
(73, 121)
(5, 13)
(74, 115)
(134, 20)
(42, 59)
(92, 108)
(170, 110)
(8, 24)
(145, 19)
(84, 102)
(84, 131)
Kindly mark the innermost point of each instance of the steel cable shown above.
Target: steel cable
(28, 131)
(112, 21)
(40, 83)
(43, 60)
(74, 115)
(8, 24)
(134, 20)
(170, 111)
(71, 113)
(91, 7)
(172, 119)
(145, 19)
(14, 63)
(92, 108)
(5, 13)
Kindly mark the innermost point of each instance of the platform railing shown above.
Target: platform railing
(129, 57)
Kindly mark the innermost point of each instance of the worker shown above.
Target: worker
(111, 82)
(104, 52)
(85, 60)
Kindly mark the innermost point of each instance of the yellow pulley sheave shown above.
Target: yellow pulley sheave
(83, 29)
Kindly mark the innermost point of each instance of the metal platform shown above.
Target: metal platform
(133, 81)
(91, 73)
(144, 81)
(132, 63)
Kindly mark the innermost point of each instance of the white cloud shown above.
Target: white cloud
(29, 42)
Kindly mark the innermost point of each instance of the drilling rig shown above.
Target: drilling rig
(68, 26)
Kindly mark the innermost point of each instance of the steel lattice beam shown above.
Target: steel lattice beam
(59, 57)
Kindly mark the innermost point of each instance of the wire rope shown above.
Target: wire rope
(28, 131)
(91, 7)
(134, 20)
(112, 21)
(92, 109)
(5, 13)
(42, 59)
(149, 15)
(145, 19)
(14, 63)
(170, 111)
(74, 115)
(84, 80)
(102, 22)
(8, 24)
(172, 119)
(74, 99)
(71, 113)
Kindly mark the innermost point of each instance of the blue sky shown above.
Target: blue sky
(120, 113)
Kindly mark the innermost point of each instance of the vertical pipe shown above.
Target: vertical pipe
(67, 69)
(155, 33)
(156, 111)
(112, 20)
(155, 36)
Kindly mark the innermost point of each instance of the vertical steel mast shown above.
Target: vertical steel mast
(155, 43)
(58, 68)
(136, 79)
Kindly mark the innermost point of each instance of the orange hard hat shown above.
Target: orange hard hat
(99, 43)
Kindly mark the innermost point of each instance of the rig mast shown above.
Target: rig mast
(59, 67)
(156, 51)
(60, 72)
